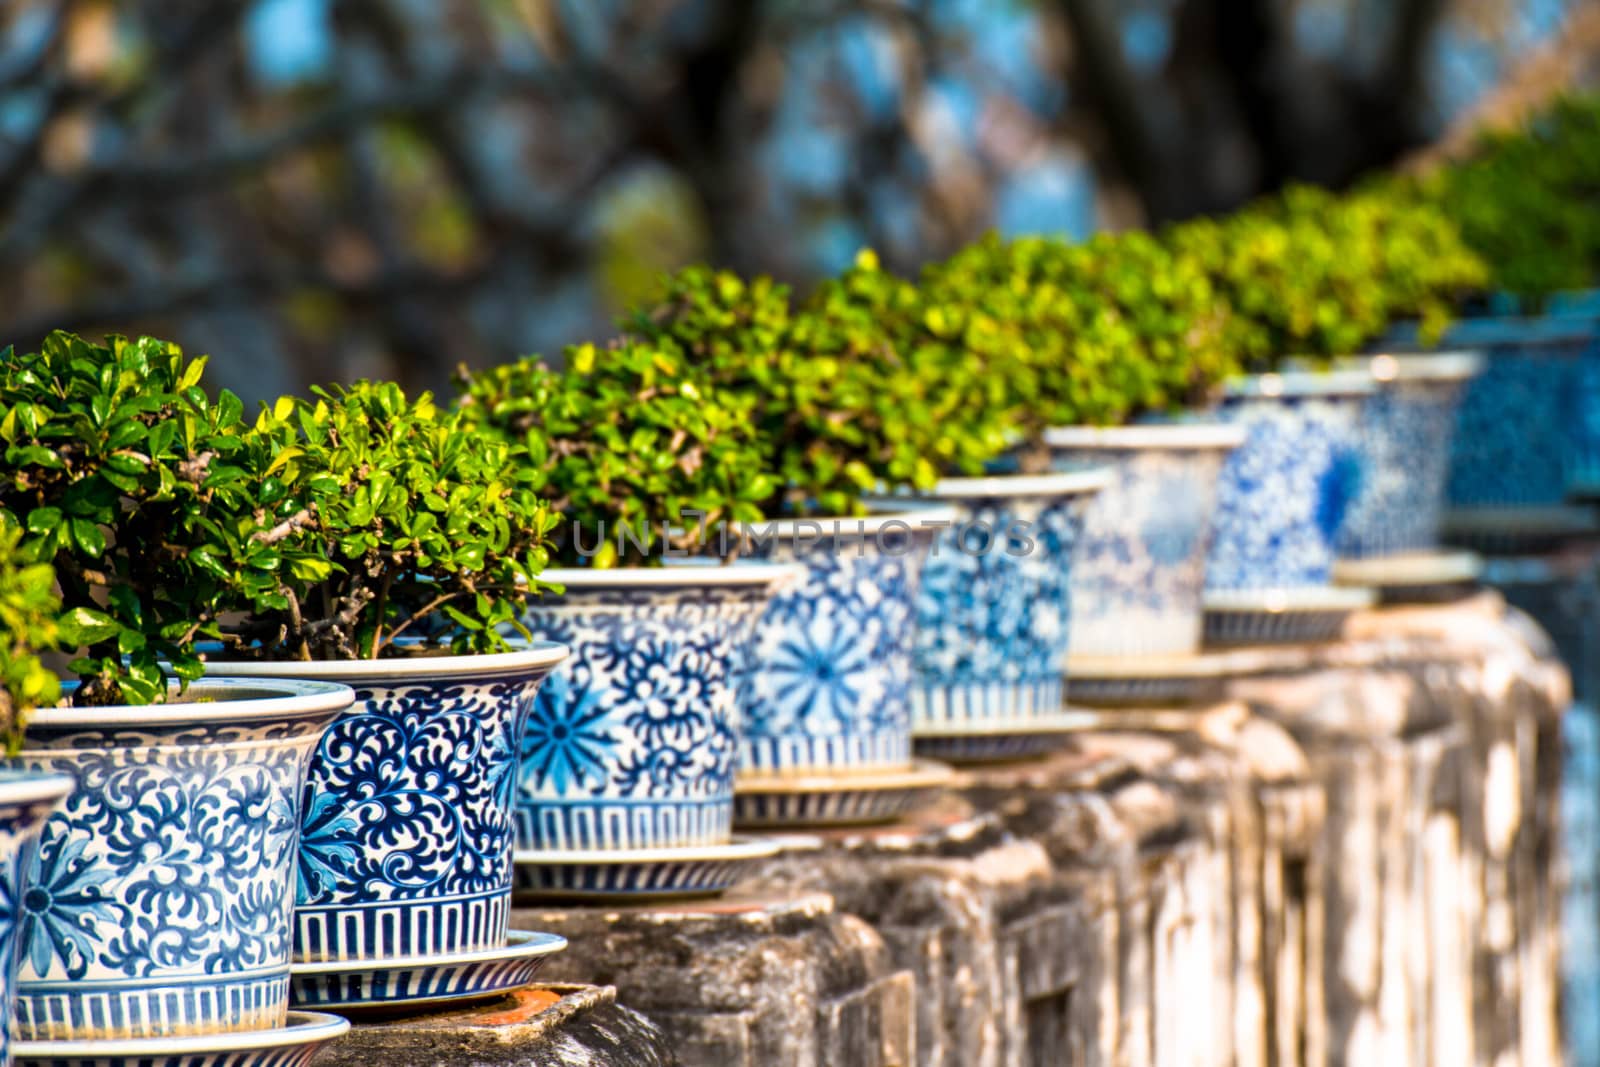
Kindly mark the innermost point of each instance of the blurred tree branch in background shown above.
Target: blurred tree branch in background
(324, 189)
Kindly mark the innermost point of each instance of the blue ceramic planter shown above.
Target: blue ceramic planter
(1284, 494)
(406, 842)
(994, 606)
(1528, 429)
(633, 742)
(1139, 576)
(1404, 438)
(829, 687)
(26, 800)
(158, 903)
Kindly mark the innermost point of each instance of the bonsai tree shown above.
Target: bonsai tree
(125, 476)
(1088, 334)
(28, 610)
(866, 386)
(394, 524)
(639, 453)
(1524, 201)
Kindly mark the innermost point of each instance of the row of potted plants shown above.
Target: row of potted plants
(575, 623)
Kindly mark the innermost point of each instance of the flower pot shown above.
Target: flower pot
(1139, 574)
(992, 612)
(1284, 493)
(1528, 428)
(26, 800)
(632, 743)
(406, 842)
(1404, 439)
(158, 904)
(829, 685)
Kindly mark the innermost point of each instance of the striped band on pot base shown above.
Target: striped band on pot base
(791, 754)
(625, 823)
(67, 1010)
(399, 928)
(682, 878)
(960, 703)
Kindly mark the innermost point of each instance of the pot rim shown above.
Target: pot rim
(685, 573)
(538, 655)
(296, 698)
(1400, 367)
(1176, 435)
(1055, 484)
(19, 787)
(1301, 383)
(886, 510)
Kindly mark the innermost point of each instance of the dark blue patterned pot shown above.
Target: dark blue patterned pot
(1404, 438)
(994, 607)
(829, 687)
(405, 847)
(158, 904)
(26, 800)
(1528, 429)
(1140, 573)
(633, 742)
(1284, 494)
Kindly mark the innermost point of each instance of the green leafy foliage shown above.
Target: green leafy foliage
(628, 443)
(28, 625)
(388, 516)
(866, 386)
(1087, 334)
(1314, 273)
(125, 476)
(1526, 201)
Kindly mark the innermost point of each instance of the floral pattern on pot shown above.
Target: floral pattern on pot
(405, 846)
(1285, 492)
(158, 904)
(1526, 431)
(829, 687)
(1139, 573)
(1404, 439)
(26, 800)
(994, 604)
(633, 742)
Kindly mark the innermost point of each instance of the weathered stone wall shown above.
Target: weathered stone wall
(1347, 861)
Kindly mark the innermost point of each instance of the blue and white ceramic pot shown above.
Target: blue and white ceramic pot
(633, 742)
(26, 799)
(1139, 574)
(829, 688)
(1404, 438)
(1528, 429)
(1284, 494)
(993, 609)
(405, 846)
(158, 904)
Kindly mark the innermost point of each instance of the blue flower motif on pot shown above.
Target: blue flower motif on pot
(1285, 492)
(26, 800)
(1404, 439)
(1520, 438)
(1139, 572)
(159, 898)
(634, 742)
(829, 686)
(408, 805)
(993, 608)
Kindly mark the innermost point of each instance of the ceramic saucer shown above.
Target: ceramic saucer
(1280, 616)
(997, 742)
(795, 801)
(1147, 681)
(1413, 577)
(413, 981)
(1517, 531)
(291, 1045)
(638, 874)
